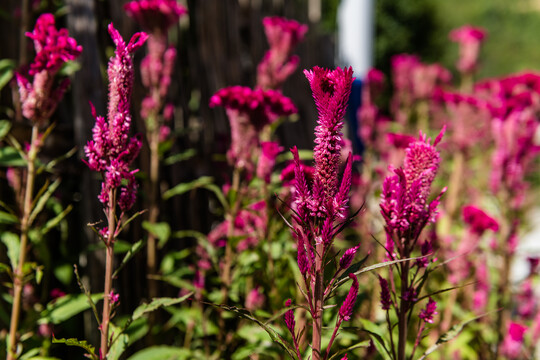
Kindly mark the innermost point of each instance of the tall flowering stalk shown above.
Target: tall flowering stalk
(156, 17)
(406, 211)
(278, 64)
(322, 203)
(469, 39)
(111, 152)
(40, 97)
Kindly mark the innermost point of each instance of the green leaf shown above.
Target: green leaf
(66, 307)
(11, 241)
(119, 344)
(43, 196)
(156, 304)
(204, 182)
(161, 230)
(362, 344)
(306, 155)
(377, 337)
(373, 267)
(64, 273)
(185, 187)
(162, 353)
(188, 154)
(135, 248)
(51, 164)
(5, 126)
(273, 333)
(90, 350)
(52, 223)
(451, 334)
(7, 218)
(6, 71)
(9, 157)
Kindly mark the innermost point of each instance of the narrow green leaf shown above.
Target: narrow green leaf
(10, 157)
(362, 344)
(7, 66)
(51, 164)
(133, 217)
(7, 218)
(451, 334)
(157, 303)
(66, 307)
(161, 230)
(90, 350)
(162, 353)
(377, 337)
(271, 332)
(52, 223)
(119, 343)
(373, 267)
(135, 248)
(11, 241)
(42, 198)
(185, 187)
(5, 126)
(188, 154)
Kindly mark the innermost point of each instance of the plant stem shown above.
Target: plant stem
(318, 294)
(109, 264)
(336, 328)
(151, 258)
(18, 275)
(403, 309)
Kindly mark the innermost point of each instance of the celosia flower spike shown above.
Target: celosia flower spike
(111, 150)
(386, 299)
(289, 318)
(155, 15)
(54, 47)
(348, 257)
(428, 313)
(346, 310)
(331, 90)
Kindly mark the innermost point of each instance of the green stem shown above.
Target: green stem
(109, 265)
(18, 275)
(318, 295)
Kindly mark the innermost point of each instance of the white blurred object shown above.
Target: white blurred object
(355, 22)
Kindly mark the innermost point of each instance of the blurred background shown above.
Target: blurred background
(220, 44)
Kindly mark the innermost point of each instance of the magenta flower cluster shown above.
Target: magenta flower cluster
(404, 199)
(277, 65)
(155, 15)
(53, 49)
(249, 111)
(112, 150)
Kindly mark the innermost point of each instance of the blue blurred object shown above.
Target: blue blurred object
(355, 101)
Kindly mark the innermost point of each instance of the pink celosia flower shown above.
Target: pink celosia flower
(155, 15)
(331, 91)
(478, 220)
(111, 150)
(255, 299)
(400, 141)
(426, 77)
(526, 300)
(346, 309)
(53, 48)
(289, 317)
(469, 39)
(482, 286)
(269, 152)
(277, 65)
(248, 112)
(512, 346)
(386, 299)
(114, 297)
(348, 256)
(404, 204)
(428, 313)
